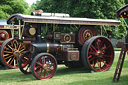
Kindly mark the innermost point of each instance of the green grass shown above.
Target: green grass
(117, 49)
(66, 76)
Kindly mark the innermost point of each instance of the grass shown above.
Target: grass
(66, 76)
(117, 49)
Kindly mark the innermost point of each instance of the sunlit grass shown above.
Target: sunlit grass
(117, 49)
(66, 76)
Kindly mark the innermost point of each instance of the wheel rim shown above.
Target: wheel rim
(11, 53)
(100, 54)
(25, 63)
(45, 67)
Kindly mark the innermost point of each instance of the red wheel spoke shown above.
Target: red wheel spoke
(93, 64)
(101, 43)
(50, 69)
(40, 60)
(47, 73)
(104, 63)
(106, 47)
(92, 53)
(44, 72)
(98, 47)
(92, 59)
(41, 72)
(47, 60)
(38, 70)
(96, 43)
(107, 56)
(93, 48)
(39, 64)
(89, 56)
(99, 65)
(103, 58)
(49, 63)
(44, 60)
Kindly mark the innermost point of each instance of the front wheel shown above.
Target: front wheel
(97, 54)
(44, 66)
(25, 63)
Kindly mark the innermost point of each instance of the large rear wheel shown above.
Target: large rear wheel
(44, 66)
(97, 54)
(10, 53)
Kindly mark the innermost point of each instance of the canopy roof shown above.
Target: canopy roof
(60, 20)
(123, 12)
(3, 22)
(4, 25)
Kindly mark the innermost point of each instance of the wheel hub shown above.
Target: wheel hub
(45, 66)
(16, 53)
(99, 54)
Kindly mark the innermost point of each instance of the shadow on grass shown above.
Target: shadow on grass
(67, 71)
(103, 81)
(10, 75)
(14, 75)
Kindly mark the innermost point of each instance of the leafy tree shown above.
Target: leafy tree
(82, 8)
(9, 7)
(99, 9)
(126, 1)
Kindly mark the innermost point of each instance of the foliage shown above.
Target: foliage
(126, 1)
(82, 8)
(98, 9)
(30, 9)
(9, 7)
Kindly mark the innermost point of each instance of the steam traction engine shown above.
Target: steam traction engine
(5, 32)
(49, 44)
(122, 13)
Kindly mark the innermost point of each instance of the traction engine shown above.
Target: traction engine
(47, 41)
(5, 33)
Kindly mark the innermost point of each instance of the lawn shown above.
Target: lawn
(66, 76)
(117, 49)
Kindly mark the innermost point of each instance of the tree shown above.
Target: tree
(126, 1)
(99, 9)
(9, 7)
(82, 8)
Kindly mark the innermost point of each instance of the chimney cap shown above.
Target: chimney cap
(38, 11)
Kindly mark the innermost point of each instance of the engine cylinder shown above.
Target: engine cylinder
(48, 47)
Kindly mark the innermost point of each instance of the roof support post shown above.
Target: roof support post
(19, 29)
